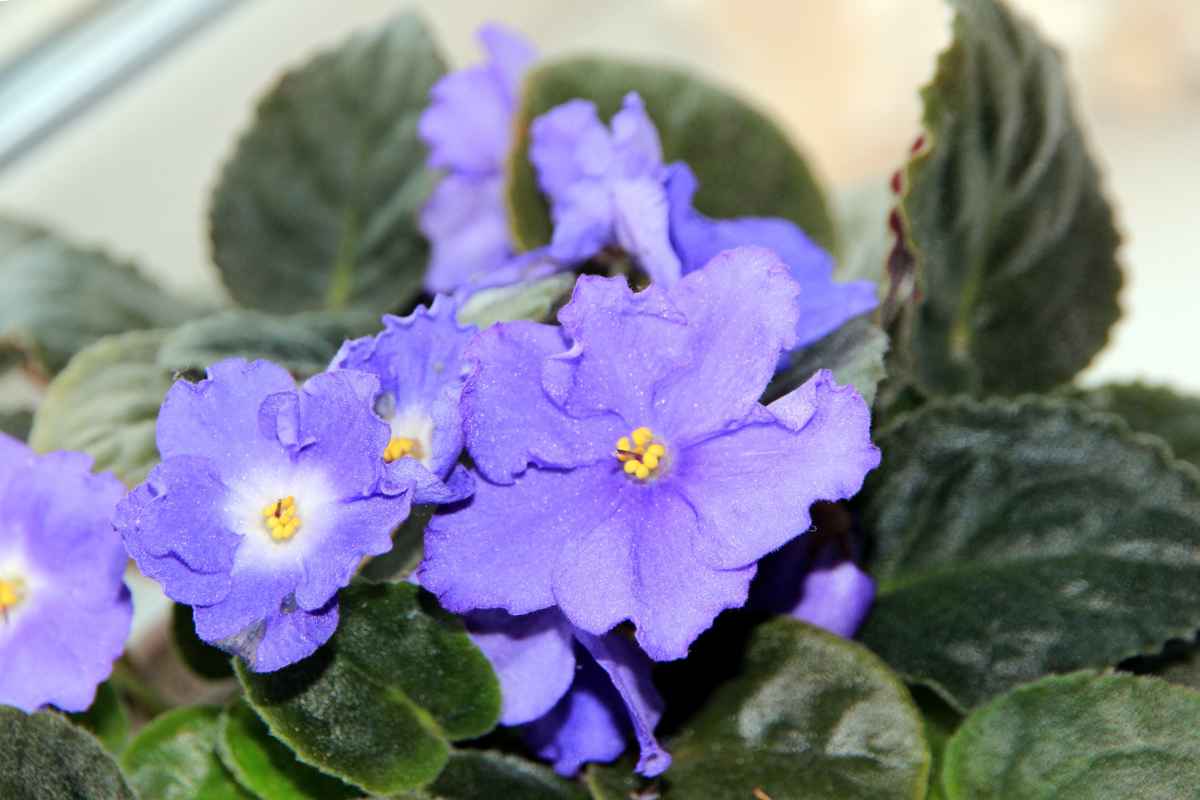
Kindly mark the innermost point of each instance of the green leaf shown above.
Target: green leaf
(175, 758)
(1014, 240)
(16, 423)
(862, 216)
(105, 403)
(1017, 538)
(535, 301)
(810, 716)
(480, 774)
(107, 719)
(318, 206)
(1079, 737)
(408, 548)
(940, 722)
(377, 704)
(745, 163)
(44, 756)
(302, 343)
(200, 657)
(265, 766)
(59, 298)
(1157, 410)
(854, 352)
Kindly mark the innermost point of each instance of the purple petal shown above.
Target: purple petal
(343, 437)
(291, 634)
(511, 55)
(533, 656)
(583, 222)
(629, 670)
(637, 148)
(256, 592)
(752, 488)
(640, 218)
(814, 578)
(509, 421)
(467, 227)
(569, 144)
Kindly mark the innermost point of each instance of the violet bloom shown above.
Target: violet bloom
(628, 470)
(576, 696)
(468, 127)
(267, 499)
(418, 360)
(64, 608)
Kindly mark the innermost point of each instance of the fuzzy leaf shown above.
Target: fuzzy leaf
(1157, 410)
(1014, 240)
(1018, 538)
(533, 301)
(854, 352)
(745, 164)
(107, 719)
(317, 207)
(478, 774)
(44, 756)
(175, 758)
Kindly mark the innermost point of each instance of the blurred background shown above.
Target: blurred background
(124, 158)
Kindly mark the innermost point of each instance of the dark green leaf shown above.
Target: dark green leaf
(317, 208)
(377, 704)
(200, 657)
(107, 719)
(811, 716)
(854, 352)
(1017, 538)
(533, 301)
(16, 423)
(265, 766)
(1079, 737)
(1157, 410)
(59, 298)
(481, 775)
(175, 758)
(105, 403)
(1014, 240)
(862, 215)
(45, 757)
(940, 723)
(744, 162)
(408, 548)
(302, 343)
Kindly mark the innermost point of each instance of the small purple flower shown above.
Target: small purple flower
(628, 471)
(468, 128)
(577, 696)
(267, 499)
(64, 608)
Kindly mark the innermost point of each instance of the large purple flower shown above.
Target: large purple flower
(64, 607)
(468, 127)
(577, 696)
(628, 470)
(267, 499)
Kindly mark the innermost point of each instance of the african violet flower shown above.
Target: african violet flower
(577, 696)
(64, 608)
(628, 470)
(267, 498)
(468, 128)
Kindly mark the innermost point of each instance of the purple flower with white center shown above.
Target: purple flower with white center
(628, 471)
(468, 127)
(64, 608)
(577, 696)
(418, 361)
(267, 499)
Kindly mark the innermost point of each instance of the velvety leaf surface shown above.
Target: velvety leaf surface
(1079, 737)
(175, 758)
(265, 766)
(377, 704)
(1012, 539)
(479, 774)
(1157, 410)
(744, 162)
(854, 352)
(105, 403)
(302, 343)
(533, 301)
(107, 719)
(45, 757)
(59, 298)
(317, 207)
(200, 657)
(1015, 242)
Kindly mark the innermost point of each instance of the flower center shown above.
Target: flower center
(640, 453)
(401, 446)
(280, 519)
(12, 592)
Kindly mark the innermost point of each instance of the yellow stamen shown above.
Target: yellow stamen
(12, 592)
(281, 520)
(639, 454)
(401, 446)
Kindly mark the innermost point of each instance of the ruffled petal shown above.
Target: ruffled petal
(291, 634)
(583, 222)
(636, 146)
(466, 125)
(640, 221)
(467, 227)
(510, 55)
(340, 432)
(533, 656)
(569, 144)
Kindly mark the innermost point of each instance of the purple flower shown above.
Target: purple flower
(628, 471)
(577, 696)
(468, 127)
(267, 499)
(64, 608)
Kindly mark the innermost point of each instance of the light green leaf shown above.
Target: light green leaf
(1079, 737)
(535, 301)
(44, 756)
(1014, 240)
(745, 163)
(854, 352)
(318, 206)
(105, 403)
(175, 758)
(1018, 538)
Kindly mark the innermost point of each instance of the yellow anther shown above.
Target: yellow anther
(12, 592)
(630, 467)
(280, 519)
(639, 454)
(643, 472)
(401, 446)
(650, 460)
(642, 437)
(656, 450)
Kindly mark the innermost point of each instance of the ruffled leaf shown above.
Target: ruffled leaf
(44, 755)
(1157, 410)
(175, 758)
